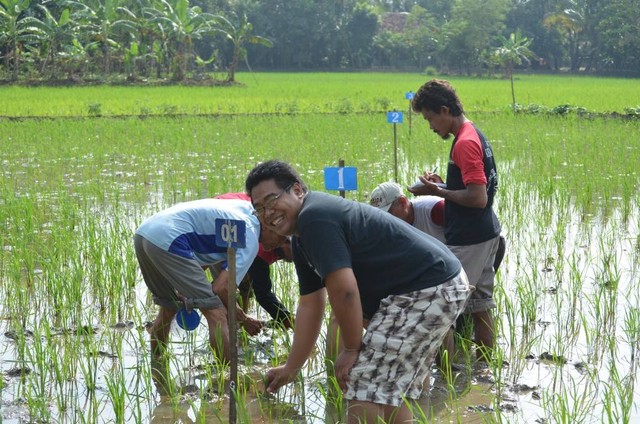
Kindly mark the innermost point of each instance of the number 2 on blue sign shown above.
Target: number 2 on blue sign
(394, 117)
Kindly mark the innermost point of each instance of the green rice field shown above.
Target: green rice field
(315, 93)
(83, 166)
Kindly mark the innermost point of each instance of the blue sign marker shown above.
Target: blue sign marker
(230, 233)
(409, 95)
(340, 178)
(394, 117)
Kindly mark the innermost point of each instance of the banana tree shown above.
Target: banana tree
(104, 27)
(56, 34)
(145, 46)
(17, 30)
(239, 36)
(183, 25)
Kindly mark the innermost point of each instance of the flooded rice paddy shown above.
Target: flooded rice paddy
(74, 309)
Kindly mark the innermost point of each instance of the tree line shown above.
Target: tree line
(210, 39)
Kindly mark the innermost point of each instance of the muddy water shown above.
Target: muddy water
(567, 345)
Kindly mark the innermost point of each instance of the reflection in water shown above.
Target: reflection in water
(199, 395)
(567, 289)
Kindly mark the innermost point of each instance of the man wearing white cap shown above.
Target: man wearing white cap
(426, 213)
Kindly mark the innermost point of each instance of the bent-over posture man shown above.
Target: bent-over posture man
(377, 271)
(426, 213)
(173, 246)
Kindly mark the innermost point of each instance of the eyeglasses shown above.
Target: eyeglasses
(269, 203)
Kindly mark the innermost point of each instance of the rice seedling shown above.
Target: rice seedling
(618, 395)
(631, 329)
(569, 401)
(63, 372)
(575, 287)
(117, 390)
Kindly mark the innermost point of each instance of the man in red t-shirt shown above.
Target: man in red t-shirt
(472, 229)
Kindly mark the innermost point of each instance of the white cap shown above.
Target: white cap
(384, 195)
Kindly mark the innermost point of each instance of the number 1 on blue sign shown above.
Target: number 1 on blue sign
(340, 178)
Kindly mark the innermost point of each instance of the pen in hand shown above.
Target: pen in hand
(431, 178)
(428, 176)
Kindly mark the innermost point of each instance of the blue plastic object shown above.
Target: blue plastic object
(188, 320)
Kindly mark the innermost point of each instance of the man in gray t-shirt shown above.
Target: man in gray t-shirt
(378, 272)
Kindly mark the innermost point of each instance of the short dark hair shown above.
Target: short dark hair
(437, 93)
(281, 172)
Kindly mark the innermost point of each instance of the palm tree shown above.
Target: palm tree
(514, 51)
(17, 30)
(570, 23)
(239, 37)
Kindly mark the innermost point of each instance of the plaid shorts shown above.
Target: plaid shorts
(402, 340)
